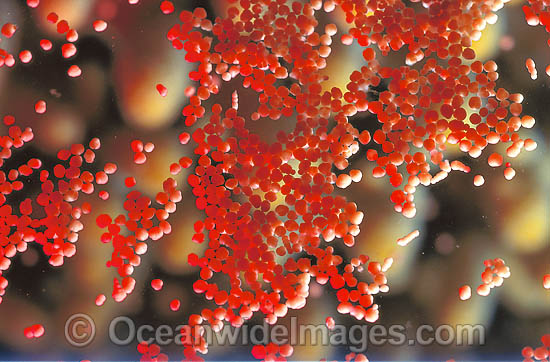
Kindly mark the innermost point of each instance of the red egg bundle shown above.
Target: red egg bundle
(538, 354)
(271, 209)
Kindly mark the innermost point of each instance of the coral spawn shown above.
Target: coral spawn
(270, 210)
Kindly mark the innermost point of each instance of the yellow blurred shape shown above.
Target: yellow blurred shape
(76, 12)
(526, 229)
(341, 62)
(58, 128)
(172, 250)
(488, 45)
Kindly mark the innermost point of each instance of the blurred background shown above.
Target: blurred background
(115, 99)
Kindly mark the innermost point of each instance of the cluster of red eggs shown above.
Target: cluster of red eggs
(270, 208)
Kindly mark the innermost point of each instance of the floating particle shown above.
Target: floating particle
(364, 137)
(167, 7)
(234, 100)
(189, 91)
(507, 43)
(359, 357)
(163, 91)
(483, 290)
(356, 175)
(175, 168)
(331, 29)
(531, 68)
(52, 17)
(130, 181)
(38, 330)
(137, 146)
(388, 262)
(459, 166)
(100, 26)
(74, 71)
(86, 208)
(259, 352)
(479, 180)
(34, 331)
(104, 195)
(286, 350)
(101, 178)
(527, 352)
(185, 162)
(378, 172)
(495, 160)
(531, 18)
(175, 305)
(199, 13)
(8, 30)
(346, 39)
(157, 284)
(103, 220)
(184, 137)
(33, 3)
(527, 121)
(28, 333)
(509, 173)
(9, 120)
(329, 322)
(465, 292)
(140, 158)
(408, 238)
(9, 60)
(55, 93)
(40, 107)
(149, 147)
(62, 27)
(541, 353)
(546, 281)
(343, 181)
(141, 248)
(46, 45)
(530, 145)
(110, 168)
(89, 156)
(25, 56)
(72, 35)
(100, 300)
(68, 50)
